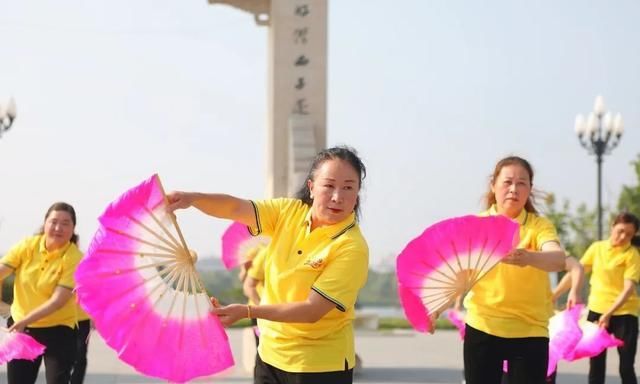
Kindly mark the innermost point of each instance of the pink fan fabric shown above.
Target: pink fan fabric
(433, 261)
(413, 309)
(238, 244)
(154, 326)
(18, 345)
(564, 335)
(594, 340)
(457, 318)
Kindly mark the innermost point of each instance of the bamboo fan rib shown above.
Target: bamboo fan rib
(139, 284)
(447, 259)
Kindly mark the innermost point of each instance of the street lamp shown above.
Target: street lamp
(600, 133)
(7, 115)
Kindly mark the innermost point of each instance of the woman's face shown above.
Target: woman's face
(58, 229)
(512, 189)
(621, 234)
(334, 191)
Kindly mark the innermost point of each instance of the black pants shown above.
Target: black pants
(268, 374)
(484, 355)
(59, 355)
(82, 345)
(625, 328)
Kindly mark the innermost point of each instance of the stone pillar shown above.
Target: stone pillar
(297, 86)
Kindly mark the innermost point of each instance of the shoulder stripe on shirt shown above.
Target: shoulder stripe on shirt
(338, 304)
(9, 266)
(548, 241)
(348, 227)
(258, 226)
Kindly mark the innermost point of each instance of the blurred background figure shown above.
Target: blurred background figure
(44, 267)
(613, 302)
(252, 278)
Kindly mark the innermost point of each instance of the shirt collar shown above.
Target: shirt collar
(521, 219)
(619, 248)
(333, 230)
(60, 251)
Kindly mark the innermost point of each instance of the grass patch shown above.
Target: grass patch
(402, 323)
(242, 323)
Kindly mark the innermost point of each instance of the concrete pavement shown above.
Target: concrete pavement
(399, 357)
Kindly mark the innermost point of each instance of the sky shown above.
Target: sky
(431, 93)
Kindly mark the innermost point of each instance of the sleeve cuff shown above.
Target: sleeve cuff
(338, 304)
(8, 265)
(258, 228)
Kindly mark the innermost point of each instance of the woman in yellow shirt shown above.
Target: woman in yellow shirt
(508, 309)
(613, 303)
(42, 307)
(315, 264)
(252, 275)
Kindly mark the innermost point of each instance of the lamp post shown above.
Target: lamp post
(600, 133)
(7, 115)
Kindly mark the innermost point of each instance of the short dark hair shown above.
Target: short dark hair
(62, 206)
(627, 218)
(345, 153)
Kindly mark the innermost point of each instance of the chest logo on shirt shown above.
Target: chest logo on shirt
(315, 264)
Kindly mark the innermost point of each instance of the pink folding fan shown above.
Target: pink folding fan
(17, 345)
(139, 284)
(449, 257)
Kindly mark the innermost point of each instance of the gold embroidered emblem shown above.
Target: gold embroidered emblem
(315, 264)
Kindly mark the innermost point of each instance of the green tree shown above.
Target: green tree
(629, 199)
(577, 230)
(380, 290)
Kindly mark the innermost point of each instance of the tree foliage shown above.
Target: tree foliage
(380, 290)
(576, 228)
(629, 199)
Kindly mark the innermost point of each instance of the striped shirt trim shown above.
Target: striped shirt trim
(338, 304)
(343, 231)
(522, 218)
(549, 241)
(9, 265)
(258, 226)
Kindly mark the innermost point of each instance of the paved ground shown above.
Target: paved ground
(403, 357)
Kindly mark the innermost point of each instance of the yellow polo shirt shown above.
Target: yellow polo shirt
(256, 271)
(512, 301)
(610, 266)
(37, 274)
(331, 260)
